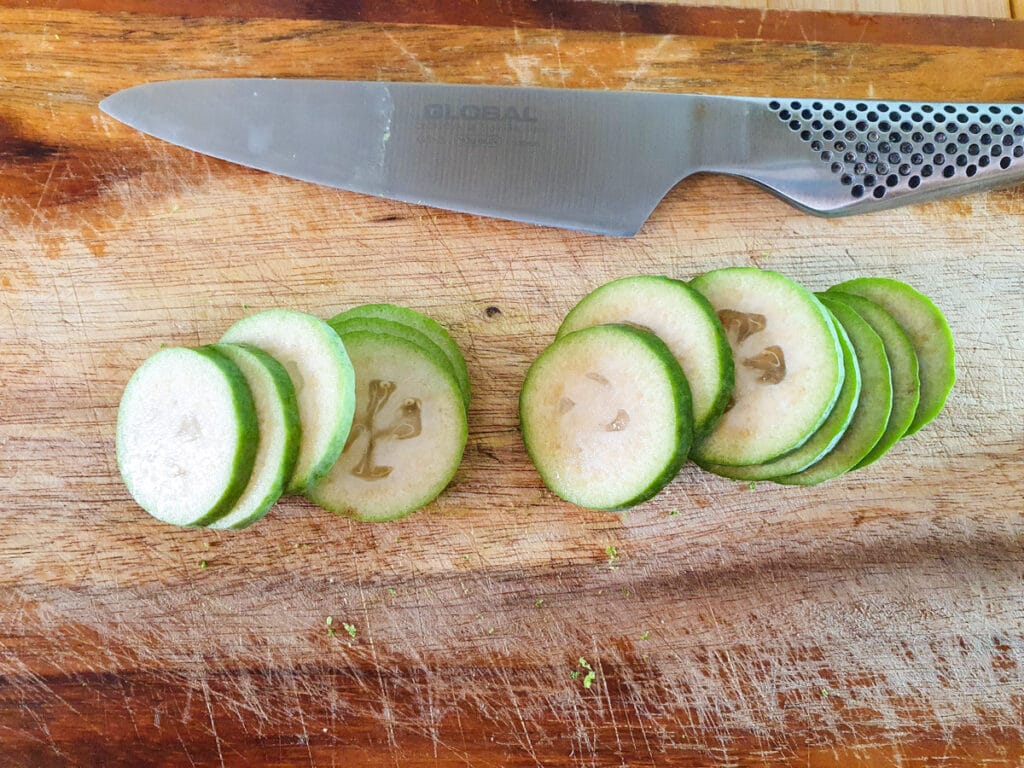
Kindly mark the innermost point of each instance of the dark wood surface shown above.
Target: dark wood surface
(875, 620)
(597, 15)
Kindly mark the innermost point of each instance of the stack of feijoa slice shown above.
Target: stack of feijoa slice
(789, 365)
(213, 436)
(639, 368)
(322, 377)
(410, 430)
(823, 439)
(870, 414)
(784, 384)
(186, 435)
(894, 339)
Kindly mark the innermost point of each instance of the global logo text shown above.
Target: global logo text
(489, 112)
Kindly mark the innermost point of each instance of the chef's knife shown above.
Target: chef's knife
(598, 161)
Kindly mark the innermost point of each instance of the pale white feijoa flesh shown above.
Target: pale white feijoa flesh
(186, 435)
(789, 365)
(322, 376)
(278, 417)
(679, 316)
(408, 436)
(606, 416)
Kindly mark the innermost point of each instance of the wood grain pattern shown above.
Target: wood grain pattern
(994, 9)
(596, 15)
(873, 621)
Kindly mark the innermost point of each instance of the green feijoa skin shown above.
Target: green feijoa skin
(873, 408)
(926, 326)
(899, 351)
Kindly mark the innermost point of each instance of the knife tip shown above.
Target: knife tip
(118, 102)
(108, 106)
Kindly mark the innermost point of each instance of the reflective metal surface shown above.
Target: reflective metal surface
(598, 161)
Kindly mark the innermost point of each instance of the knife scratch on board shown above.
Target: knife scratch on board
(760, 23)
(526, 741)
(36, 211)
(413, 58)
(555, 41)
(525, 68)
(644, 59)
(304, 737)
(387, 711)
(213, 720)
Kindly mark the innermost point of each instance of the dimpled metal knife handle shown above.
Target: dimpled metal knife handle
(838, 157)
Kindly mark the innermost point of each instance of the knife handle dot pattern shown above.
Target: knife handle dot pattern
(879, 148)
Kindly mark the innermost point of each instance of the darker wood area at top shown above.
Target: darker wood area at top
(593, 15)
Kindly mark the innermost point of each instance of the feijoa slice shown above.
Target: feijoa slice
(408, 436)
(682, 318)
(823, 440)
(606, 416)
(788, 362)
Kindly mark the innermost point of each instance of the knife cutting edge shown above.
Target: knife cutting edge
(597, 161)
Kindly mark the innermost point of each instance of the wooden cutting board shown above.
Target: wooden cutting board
(875, 620)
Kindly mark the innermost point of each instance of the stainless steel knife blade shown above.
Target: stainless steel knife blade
(598, 161)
